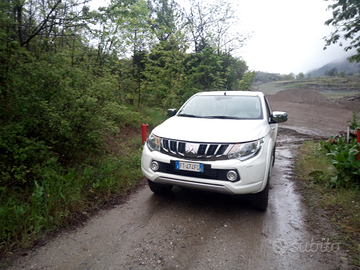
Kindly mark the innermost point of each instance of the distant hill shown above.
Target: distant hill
(336, 66)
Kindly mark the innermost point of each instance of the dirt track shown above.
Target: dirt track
(197, 230)
(311, 113)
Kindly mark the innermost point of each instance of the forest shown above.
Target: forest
(71, 76)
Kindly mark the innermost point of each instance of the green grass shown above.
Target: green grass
(148, 115)
(341, 206)
(268, 88)
(25, 214)
(63, 195)
(313, 161)
(153, 116)
(339, 94)
(331, 87)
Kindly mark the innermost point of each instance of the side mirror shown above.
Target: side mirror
(171, 112)
(278, 117)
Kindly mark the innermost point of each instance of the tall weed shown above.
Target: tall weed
(339, 205)
(28, 212)
(346, 160)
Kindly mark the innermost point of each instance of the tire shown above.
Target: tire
(273, 155)
(159, 189)
(261, 199)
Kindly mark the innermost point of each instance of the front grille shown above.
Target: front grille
(213, 174)
(195, 151)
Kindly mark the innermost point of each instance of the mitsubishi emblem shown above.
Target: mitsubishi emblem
(190, 151)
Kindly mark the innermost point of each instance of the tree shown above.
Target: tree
(288, 77)
(213, 25)
(246, 82)
(48, 20)
(165, 73)
(123, 27)
(300, 76)
(222, 34)
(236, 69)
(207, 70)
(347, 25)
(163, 18)
(331, 73)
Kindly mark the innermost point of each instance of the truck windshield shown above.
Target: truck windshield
(223, 107)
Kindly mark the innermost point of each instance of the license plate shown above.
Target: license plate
(189, 166)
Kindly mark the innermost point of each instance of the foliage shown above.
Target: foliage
(207, 70)
(345, 158)
(69, 77)
(54, 113)
(340, 206)
(163, 14)
(354, 123)
(345, 21)
(300, 76)
(331, 73)
(62, 194)
(264, 77)
(313, 165)
(246, 83)
(152, 116)
(165, 73)
(52, 130)
(236, 70)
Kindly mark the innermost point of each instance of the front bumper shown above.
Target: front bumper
(252, 173)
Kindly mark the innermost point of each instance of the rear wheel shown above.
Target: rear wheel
(160, 189)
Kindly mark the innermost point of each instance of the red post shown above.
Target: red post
(143, 129)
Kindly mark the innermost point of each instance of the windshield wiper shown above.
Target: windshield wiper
(189, 115)
(221, 117)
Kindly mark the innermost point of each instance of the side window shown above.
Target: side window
(268, 108)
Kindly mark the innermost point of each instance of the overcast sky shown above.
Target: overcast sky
(287, 35)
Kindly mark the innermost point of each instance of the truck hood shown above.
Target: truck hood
(212, 130)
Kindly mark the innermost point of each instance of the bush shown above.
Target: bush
(53, 115)
(345, 158)
(53, 162)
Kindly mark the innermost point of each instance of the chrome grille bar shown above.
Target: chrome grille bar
(195, 151)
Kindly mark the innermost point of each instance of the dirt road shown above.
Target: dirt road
(198, 230)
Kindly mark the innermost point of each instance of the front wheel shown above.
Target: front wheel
(160, 189)
(261, 199)
(273, 155)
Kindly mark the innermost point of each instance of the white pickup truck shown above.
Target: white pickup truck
(222, 141)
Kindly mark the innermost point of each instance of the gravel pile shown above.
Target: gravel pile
(298, 96)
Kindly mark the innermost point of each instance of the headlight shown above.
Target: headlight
(244, 151)
(153, 142)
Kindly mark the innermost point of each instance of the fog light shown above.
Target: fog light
(154, 165)
(231, 175)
